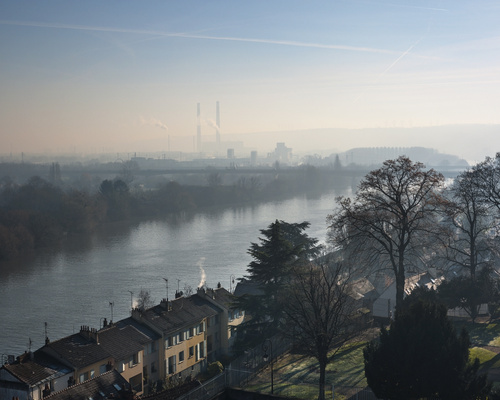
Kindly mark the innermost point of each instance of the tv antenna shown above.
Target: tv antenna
(166, 284)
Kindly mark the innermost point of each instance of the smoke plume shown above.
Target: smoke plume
(203, 275)
(154, 122)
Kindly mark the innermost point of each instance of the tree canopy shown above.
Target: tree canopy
(387, 223)
(282, 246)
(319, 312)
(467, 223)
(421, 356)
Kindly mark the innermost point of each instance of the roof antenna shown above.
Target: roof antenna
(166, 283)
(111, 304)
(47, 341)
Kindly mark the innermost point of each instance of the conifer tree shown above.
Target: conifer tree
(282, 245)
(421, 356)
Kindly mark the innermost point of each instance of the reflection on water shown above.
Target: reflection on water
(74, 285)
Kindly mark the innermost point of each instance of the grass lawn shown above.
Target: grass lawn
(482, 334)
(297, 376)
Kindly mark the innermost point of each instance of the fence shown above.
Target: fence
(240, 371)
(208, 390)
(244, 368)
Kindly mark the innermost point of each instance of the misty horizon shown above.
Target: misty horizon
(468, 142)
(90, 78)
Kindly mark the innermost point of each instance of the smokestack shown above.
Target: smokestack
(217, 121)
(198, 131)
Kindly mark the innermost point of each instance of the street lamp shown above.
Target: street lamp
(266, 357)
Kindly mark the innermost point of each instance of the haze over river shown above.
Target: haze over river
(75, 285)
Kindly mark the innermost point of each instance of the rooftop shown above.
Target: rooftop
(33, 369)
(106, 386)
(183, 312)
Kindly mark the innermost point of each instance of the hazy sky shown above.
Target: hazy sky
(126, 75)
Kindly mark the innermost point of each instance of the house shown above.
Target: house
(221, 335)
(150, 341)
(173, 340)
(182, 324)
(384, 306)
(110, 385)
(91, 353)
(32, 376)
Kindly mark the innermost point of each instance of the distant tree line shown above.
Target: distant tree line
(42, 212)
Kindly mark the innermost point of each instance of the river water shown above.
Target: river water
(74, 286)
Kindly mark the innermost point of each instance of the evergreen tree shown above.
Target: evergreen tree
(282, 245)
(421, 355)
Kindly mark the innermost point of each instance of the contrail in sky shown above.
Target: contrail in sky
(391, 66)
(398, 59)
(205, 37)
(403, 6)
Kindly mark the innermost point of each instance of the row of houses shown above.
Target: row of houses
(174, 340)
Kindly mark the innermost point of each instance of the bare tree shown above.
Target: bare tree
(144, 300)
(469, 221)
(489, 178)
(320, 314)
(387, 224)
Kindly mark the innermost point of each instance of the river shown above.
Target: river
(99, 276)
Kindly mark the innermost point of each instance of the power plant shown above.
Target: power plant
(200, 146)
(217, 122)
(198, 131)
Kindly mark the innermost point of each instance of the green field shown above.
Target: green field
(297, 375)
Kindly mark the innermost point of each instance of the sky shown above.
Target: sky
(123, 76)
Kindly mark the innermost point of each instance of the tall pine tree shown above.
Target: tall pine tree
(281, 246)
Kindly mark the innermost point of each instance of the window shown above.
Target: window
(92, 373)
(83, 377)
(136, 383)
(102, 369)
(191, 332)
(202, 349)
(134, 360)
(171, 365)
(191, 351)
(151, 347)
(181, 356)
(172, 341)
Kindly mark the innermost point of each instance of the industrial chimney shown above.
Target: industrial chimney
(198, 131)
(217, 122)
